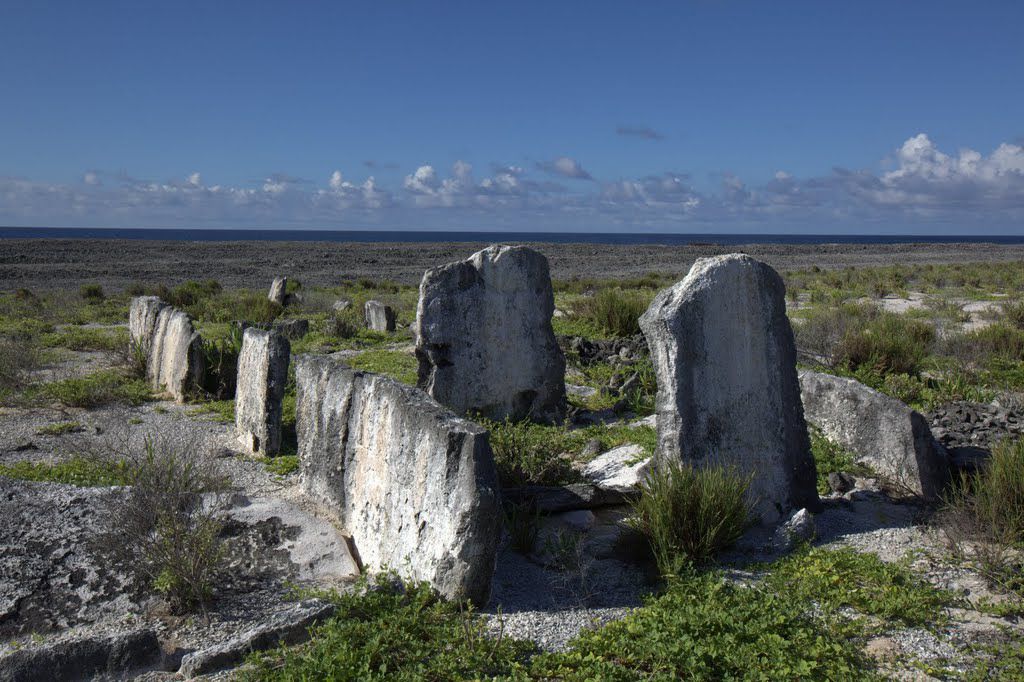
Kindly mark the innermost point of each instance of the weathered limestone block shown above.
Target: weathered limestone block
(882, 432)
(484, 339)
(413, 484)
(278, 293)
(262, 375)
(379, 317)
(174, 355)
(728, 393)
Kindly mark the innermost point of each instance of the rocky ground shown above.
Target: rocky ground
(66, 263)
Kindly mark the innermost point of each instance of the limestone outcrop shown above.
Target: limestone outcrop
(413, 484)
(379, 317)
(262, 375)
(881, 431)
(484, 339)
(173, 348)
(728, 392)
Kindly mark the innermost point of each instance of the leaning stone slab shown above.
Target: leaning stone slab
(728, 393)
(262, 375)
(484, 339)
(278, 290)
(174, 355)
(379, 317)
(414, 485)
(882, 432)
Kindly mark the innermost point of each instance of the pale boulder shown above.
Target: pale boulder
(881, 432)
(379, 317)
(278, 290)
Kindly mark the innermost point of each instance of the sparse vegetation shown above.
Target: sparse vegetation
(283, 465)
(689, 514)
(395, 364)
(81, 471)
(100, 388)
(59, 429)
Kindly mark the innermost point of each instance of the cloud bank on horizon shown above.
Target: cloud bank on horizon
(924, 188)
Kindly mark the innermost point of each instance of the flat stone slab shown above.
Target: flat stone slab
(622, 469)
(414, 485)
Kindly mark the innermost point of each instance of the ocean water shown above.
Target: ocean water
(551, 237)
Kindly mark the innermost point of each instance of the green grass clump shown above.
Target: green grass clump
(385, 632)
(614, 311)
(705, 628)
(836, 578)
(283, 465)
(689, 514)
(59, 429)
(87, 338)
(91, 293)
(221, 410)
(80, 471)
(395, 364)
(100, 388)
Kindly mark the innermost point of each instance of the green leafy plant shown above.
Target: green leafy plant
(689, 514)
(283, 465)
(81, 471)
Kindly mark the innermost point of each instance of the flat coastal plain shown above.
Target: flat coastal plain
(67, 263)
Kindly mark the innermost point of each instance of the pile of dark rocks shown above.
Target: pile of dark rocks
(588, 351)
(967, 424)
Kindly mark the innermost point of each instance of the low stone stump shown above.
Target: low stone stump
(278, 290)
(484, 339)
(174, 353)
(882, 432)
(413, 484)
(262, 375)
(728, 394)
(379, 317)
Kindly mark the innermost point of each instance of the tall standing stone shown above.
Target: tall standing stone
(262, 375)
(484, 339)
(278, 290)
(379, 317)
(413, 484)
(173, 348)
(728, 392)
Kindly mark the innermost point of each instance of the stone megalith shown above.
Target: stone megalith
(278, 293)
(484, 339)
(413, 484)
(379, 317)
(881, 432)
(728, 392)
(173, 348)
(262, 375)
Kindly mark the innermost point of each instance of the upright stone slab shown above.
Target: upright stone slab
(174, 354)
(882, 432)
(728, 393)
(484, 339)
(379, 317)
(262, 375)
(278, 293)
(413, 484)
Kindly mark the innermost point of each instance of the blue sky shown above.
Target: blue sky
(685, 116)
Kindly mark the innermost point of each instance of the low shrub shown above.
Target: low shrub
(530, 454)
(891, 344)
(395, 364)
(283, 465)
(983, 516)
(220, 357)
(829, 457)
(689, 514)
(87, 338)
(1014, 314)
(838, 578)
(389, 631)
(91, 293)
(522, 522)
(615, 311)
(167, 529)
(19, 357)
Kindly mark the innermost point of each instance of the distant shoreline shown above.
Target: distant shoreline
(47, 264)
(427, 236)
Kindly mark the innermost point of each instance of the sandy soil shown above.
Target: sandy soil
(67, 263)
